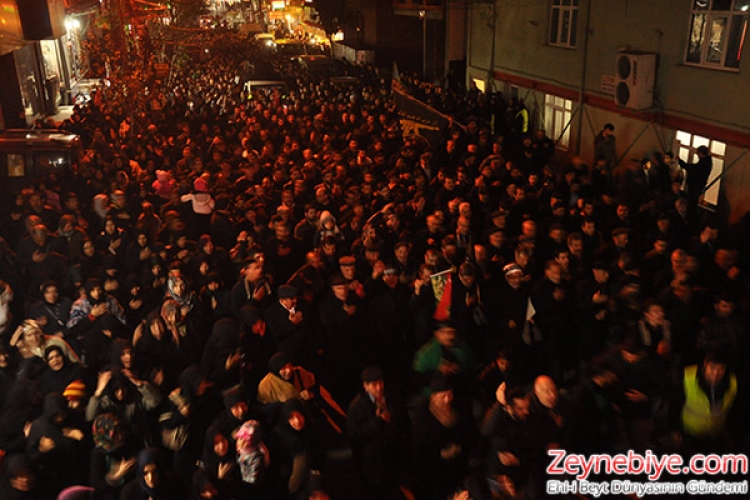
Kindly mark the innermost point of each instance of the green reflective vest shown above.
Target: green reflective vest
(697, 418)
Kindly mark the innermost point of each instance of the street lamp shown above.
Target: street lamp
(423, 17)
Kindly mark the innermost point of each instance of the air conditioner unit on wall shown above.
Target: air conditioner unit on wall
(635, 74)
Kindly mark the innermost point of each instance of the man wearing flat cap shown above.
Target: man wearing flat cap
(286, 323)
(377, 426)
(341, 337)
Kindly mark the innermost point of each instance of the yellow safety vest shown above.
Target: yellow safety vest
(697, 418)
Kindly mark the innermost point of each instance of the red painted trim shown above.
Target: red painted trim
(667, 120)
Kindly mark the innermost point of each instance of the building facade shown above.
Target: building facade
(667, 73)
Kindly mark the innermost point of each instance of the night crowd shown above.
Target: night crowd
(227, 292)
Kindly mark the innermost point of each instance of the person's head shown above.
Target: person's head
(20, 472)
(149, 467)
(31, 334)
(108, 432)
(446, 335)
(373, 381)
(441, 391)
(288, 296)
(553, 272)
(55, 358)
(253, 268)
(517, 403)
(678, 260)
(714, 368)
(575, 244)
(620, 237)
(50, 292)
(467, 274)
(545, 391)
(347, 267)
(293, 415)
(248, 436)
(653, 313)
(391, 276)
(220, 444)
(723, 305)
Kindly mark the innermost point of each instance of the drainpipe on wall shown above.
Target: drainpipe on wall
(582, 88)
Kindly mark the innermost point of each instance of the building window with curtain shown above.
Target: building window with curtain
(557, 115)
(563, 23)
(717, 32)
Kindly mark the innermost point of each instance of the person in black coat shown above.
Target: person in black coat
(22, 405)
(55, 448)
(697, 175)
(291, 446)
(287, 324)
(342, 337)
(59, 371)
(443, 438)
(20, 481)
(377, 427)
(113, 458)
(218, 460)
(153, 480)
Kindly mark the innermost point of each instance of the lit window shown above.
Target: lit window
(563, 23)
(557, 115)
(717, 33)
(686, 147)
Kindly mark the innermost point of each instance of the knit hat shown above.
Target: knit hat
(75, 390)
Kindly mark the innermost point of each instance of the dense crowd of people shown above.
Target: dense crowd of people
(227, 289)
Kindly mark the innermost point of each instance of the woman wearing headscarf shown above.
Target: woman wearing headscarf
(183, 318)
(55, 447)
(291, 448)
(128, 398)
(256, 346)
(137, 302)
(218, 460)
(253, 460)
(90, 307)
(87, 265)
(113, 459)
(31, 343)
(154, 278)
(156, 352)
(23, 405)
(190, 409)
(58, 372)
(97, 342)
(53, 311)
(236, 411)
(221, 356)
(138, 253)
(20, 481)
(202, 205)
(113, 240)
(153, 479)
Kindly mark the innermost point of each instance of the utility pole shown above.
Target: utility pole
(423, 17)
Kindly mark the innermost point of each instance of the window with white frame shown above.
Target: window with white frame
(686, 147)
(557, 115)
(717, 32)
(563, 23)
